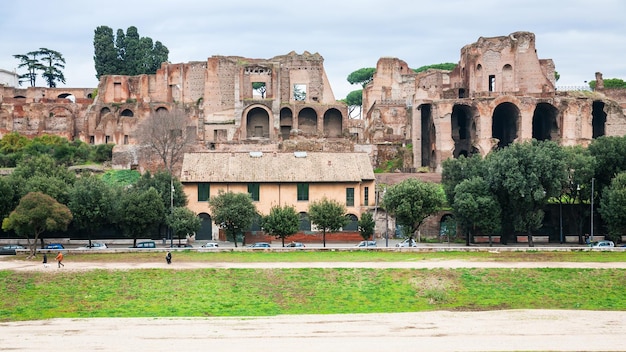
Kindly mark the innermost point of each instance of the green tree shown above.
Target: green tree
(49, 62)
(30, 62)
(52, 65)
(183, 222)
(126, 53)
(367, 226)
(233, 212)
(36, 213)
(613, 206)
(260, 87)
(455, 171)
(91, 202)
(610, 83)
(523, 176)
(362, 76)
(137, 212)
(448, 66)
(476, 208)
(105, 53)
(354, 100)
(328, 215)
(412, 201)
(608, 152)
(581, 168)
(281, 222)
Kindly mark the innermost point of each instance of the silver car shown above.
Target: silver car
(409, 242)
(602, 244)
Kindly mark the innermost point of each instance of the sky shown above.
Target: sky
(581, 37)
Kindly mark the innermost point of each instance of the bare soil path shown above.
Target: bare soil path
(506, 330)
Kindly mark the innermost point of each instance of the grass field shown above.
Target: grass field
(32, 295)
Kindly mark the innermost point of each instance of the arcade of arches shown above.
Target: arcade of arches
(259, 121)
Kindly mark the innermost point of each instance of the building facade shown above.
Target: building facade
(279, 179)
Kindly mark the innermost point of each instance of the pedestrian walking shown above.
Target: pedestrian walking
(168, 258)
(59, 259)
(45, 260)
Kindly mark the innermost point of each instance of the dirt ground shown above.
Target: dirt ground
(506, 330)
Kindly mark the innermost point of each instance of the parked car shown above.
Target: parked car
(409, 242)
(181, 245)
(54, 246)
(146, 244)
(295, 245)
(9, 249)
(13, 246)
(94, 245)
(367, 244)
(260, 245)
(602, 244)
(210, 245)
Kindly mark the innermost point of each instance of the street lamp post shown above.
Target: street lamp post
(592, 196)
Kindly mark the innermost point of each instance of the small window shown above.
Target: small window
(299, 92)
(492, 83)
(303, 191)
(366, 196)
(203, 192)
(253, 190)
(92, 140)
(349, 197)
(125, 139)
(258, 89)
(107, 139)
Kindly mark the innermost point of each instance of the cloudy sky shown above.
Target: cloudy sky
(581, 36)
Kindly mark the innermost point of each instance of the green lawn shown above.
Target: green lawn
(31, 295)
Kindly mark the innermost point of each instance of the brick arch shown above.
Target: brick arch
(257, 121)
(333, 123)
(307, 121)
(286, 122)
(505, 123)
(127, 113)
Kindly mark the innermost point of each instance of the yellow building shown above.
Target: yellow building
(294, 179)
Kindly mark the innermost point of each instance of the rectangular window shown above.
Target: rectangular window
(253, 189)
(366, 196)
(349, 197)
(203, 192)
(303, 191)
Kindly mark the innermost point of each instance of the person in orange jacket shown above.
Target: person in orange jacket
(59, 259)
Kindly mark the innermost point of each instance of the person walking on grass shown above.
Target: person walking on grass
(45, 260)
(59, 259)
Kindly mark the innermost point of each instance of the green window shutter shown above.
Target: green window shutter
(303, 191)
(350, 197)
(203, 192)
(253, 190)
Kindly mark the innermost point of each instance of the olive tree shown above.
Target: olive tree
(233, 212)
(412, 201)
(328, 215)
(281, 222)
(36, 213)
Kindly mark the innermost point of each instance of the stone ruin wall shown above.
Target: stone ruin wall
(217, 92)
(527, 82)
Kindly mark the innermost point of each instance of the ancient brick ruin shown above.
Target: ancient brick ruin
(499, 93)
